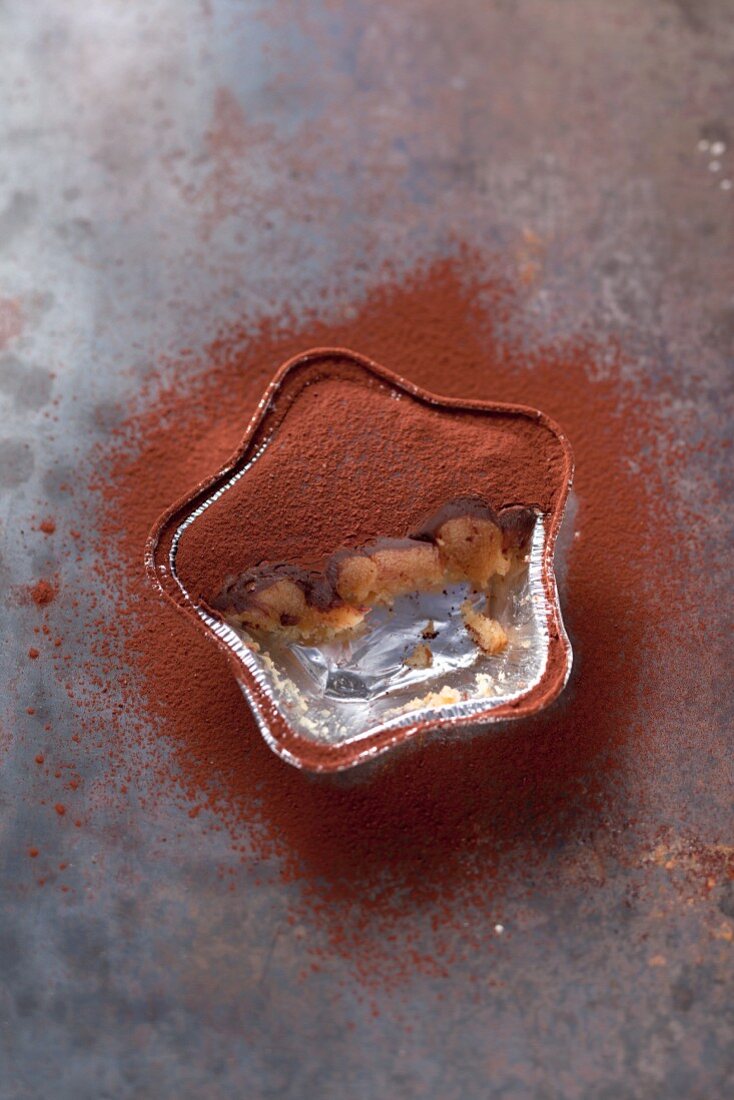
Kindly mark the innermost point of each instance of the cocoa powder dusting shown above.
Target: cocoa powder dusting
(351, 463)
(436, 829)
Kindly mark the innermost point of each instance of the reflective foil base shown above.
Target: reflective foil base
(342, 692)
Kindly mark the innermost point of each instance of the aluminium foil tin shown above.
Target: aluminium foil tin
(331, 707)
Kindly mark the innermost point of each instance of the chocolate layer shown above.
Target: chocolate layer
(237, 593)
(516, 523)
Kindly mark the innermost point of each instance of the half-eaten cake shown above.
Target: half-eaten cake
(466, 541)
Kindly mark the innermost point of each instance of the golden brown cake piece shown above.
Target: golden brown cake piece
(379, 574)
(465, 541)
(471, 549)
(488, 634)
(285, 601)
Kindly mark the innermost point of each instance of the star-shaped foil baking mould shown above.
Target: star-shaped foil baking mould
(376, 562)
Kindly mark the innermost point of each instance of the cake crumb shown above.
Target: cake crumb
(485, 686)
(486, 632)
(421, 657)
(445, 697)
(429, 630)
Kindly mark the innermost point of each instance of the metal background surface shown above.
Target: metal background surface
(136, 972)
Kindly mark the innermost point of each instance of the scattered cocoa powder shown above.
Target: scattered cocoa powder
(43, 593)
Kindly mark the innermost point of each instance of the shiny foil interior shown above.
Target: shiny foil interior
(345, 691)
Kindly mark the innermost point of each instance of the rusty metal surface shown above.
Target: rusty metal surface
(605, 128)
